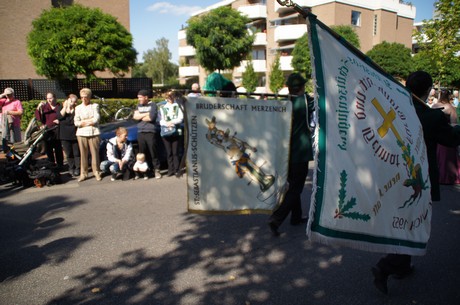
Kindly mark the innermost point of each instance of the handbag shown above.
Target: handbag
(168, 131)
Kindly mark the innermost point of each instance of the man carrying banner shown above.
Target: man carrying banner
(436, 130)
(300, 153)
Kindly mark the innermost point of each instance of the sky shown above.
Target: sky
(151, 20)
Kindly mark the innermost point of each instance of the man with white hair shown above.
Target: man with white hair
(11, 110)
(195, 91)
(455, 103)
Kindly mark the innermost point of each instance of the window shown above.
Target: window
(375, 25)
(61, 3)
(356, 18)
(258, 55)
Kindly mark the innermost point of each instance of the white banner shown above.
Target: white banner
(237, 154)
(372, 186)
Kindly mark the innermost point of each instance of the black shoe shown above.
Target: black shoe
(274, 228)
(170, 174)
(403, 274)
(76, 172)
(380, 280)
(299, 222)
(178, 175)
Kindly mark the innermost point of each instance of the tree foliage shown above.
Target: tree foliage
(220, 38)
(348, 32)
(394, 58)
(440, 42)
(301, 53)
(276, 75)
(66, 42)
(157, 64)
(301, 56)
(250, 77)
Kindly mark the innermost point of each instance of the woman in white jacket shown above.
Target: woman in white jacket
(87, 121)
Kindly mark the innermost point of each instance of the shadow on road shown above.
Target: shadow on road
(22, 228)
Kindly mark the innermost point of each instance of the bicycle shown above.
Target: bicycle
(122, 112)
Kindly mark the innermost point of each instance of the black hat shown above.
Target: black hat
(295, 80)
(144, 92)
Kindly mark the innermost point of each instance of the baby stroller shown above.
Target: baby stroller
(26, 171)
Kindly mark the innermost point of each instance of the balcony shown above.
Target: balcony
(261, 39)
(189, 71)
(281, 9)
(285, 63)
(182, 34)
(257, 11)
(187, 51)
(289, 32)
(258, 64)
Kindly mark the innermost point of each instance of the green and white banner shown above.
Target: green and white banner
(371, 185)
(237, 154)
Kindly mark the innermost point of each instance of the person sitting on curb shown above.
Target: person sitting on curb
(119, 155)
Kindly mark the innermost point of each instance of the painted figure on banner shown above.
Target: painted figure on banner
(238, 155)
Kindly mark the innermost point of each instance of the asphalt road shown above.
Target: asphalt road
(133, 242)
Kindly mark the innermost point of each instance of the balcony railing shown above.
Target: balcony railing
(189, 71)
(182, 34)
(258, 64)
(289, 32)
(256, 11)
(286, 63)
(261, 39)
(187, 51)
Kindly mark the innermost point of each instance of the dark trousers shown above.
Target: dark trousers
(172, 153)
(54, 151)
(292, 201)
(394, 263)
(148, 146)
(72, 153)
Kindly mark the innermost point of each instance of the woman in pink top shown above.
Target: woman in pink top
(11, 109)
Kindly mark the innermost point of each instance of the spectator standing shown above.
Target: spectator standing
(68, 136)
(195, 91)
(86, 119)
(119, 155)
(171, 116)
(455, 103)
(436, 130)
(300, 153)
(448, 158)
(147, 115)
(47, 113)
(12, 110)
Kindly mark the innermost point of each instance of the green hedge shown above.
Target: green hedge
(110, 105)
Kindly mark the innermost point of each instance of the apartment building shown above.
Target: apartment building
(17, 17)
(277, 28)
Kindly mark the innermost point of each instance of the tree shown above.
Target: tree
(394, 58)
(157, 63)
(301, 53)
(439, 40)
(347, 32)
(66, 42)
(301, 56)
(250, 80)
(220, 38)
(276, 75)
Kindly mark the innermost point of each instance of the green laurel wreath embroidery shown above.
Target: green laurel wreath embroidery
(343, 210)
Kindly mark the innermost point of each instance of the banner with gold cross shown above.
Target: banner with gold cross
(372, 189)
